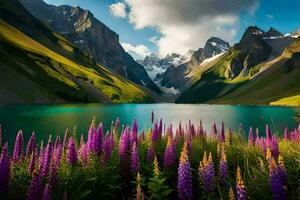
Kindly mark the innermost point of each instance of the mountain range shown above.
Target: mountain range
(58, 54)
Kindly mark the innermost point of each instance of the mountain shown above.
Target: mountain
(156, 66)
(40, 66)
(177, 76)
(93, 37)
(254, 71)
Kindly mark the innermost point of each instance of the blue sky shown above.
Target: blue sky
(148, 23)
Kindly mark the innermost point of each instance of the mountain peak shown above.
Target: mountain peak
(272, 32)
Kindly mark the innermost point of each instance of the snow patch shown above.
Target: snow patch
(213, 58)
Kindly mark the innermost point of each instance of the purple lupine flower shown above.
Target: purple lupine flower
(160, 128)
(240, 188)
(184, 185)
(223, 168)
(108, 146)
(57, 142)
(4, 169)
(134, 132)
(32, 162)
(71, 152)
(189, 147)
(208, 174)
(35, 190)
(53, 178)
(117, 123)
(268, 135)
(281, 171)
(277, 186)
(134, 164)
(83, 154)
(124, 145)
(274, 146)
(223, 132)
(89, 142)
(18, 150)
(46, 194)
(31, 145)
(46, 160)
(214, 131)
(250, 136)
(97, 139)
(58, 155)
(155, 133)
(150, 152)
(170, 153)
(65, 138)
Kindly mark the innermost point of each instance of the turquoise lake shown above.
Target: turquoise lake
(54, 119)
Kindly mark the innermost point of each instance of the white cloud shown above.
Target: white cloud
(270, 16)
(137, 51)
(188, 24)
(118, 9)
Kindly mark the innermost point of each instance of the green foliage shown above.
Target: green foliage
(158, 189)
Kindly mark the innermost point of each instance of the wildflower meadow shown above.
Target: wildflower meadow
(164, 162)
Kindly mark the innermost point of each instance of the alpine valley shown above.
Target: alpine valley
(60, 54)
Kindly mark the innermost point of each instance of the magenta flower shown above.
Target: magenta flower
(97, 139)
(117, 123)
(57, 142)
(155, 133)
(32, 162)
(124, 145)
(71, 152)
(274, 146)
(134, 164)
(58, 155)
(18, 150)
(108, 145)
(46, 194)
(250, 136)
(170, 153)
(268, 136)
(35, 190)
(46, 159)
(89, 142)
(184, 185)
(31, 145)
(134, 133)
(4, 169)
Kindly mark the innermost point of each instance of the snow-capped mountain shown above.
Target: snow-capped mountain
(156, 66)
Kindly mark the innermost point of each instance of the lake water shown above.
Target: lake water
(54, 119)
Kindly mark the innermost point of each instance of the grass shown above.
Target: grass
(65, 70)
(289, 101)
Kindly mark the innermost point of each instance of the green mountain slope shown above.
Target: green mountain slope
(38, 65)
(264, 83)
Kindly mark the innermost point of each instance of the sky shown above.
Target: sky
(176, 26)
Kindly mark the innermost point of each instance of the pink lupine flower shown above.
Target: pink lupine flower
(18, 150)
(4, 170)
(71, 152)
(134, 164)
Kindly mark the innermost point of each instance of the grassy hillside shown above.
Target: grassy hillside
(265, 83)
(51, 68)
